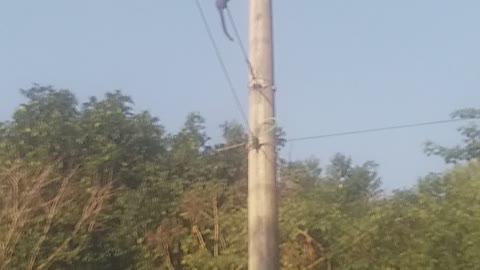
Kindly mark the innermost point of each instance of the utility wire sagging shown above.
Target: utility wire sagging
(372, 130)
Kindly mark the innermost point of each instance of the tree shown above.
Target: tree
(46, 217)
(452, 202)
(209, 231)
(113, 138)
(43, 128)
(326, 218)
(471, 146)
(179, 202)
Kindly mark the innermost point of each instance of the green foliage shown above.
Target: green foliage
(471, 142)
(322, 219)
(177, 202)
(113, 139)
(45, 126)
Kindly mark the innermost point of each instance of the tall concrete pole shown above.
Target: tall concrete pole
(263, 248)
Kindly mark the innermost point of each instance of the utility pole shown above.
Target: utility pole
(263, 248)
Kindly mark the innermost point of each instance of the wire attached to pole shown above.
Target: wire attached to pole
(372, 130)
(240, 43)
(222, 64)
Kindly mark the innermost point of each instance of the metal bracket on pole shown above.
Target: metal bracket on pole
(259, 84)
(254, 143)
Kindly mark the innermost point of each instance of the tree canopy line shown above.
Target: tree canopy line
(100, 186)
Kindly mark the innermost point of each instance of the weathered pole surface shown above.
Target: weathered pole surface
(263, 246)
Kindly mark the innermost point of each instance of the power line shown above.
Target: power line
(354, 132)
(222, 64)
(249, 65)
(225, 70)
(362, 131)
(240, 42)
(230, 147)
(244, 51)
(371, 130)
(314, 137)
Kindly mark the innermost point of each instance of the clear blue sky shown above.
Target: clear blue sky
(340, 65)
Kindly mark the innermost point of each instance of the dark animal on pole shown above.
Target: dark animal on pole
(221, 6)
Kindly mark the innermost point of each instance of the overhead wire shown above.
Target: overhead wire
(222, 64)
(253, 75)
(244, 52)
(327, 135)
(251, 70)
(249, 65)
(371, 130)
(335, 134)
(374, 130)
(225, 70)
(240, 43)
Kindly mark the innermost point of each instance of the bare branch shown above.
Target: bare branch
(39, 200)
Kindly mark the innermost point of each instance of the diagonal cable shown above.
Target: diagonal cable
(222, 64)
